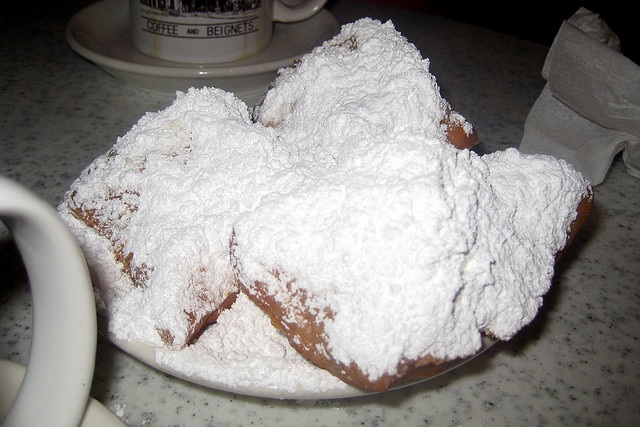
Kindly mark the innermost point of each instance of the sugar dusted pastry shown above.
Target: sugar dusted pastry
(154, 215)
(401, 249)
(348, 208)
(366, 81)
(406, 252)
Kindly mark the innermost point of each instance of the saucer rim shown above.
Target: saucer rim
(247, 67)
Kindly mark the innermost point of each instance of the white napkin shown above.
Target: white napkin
(589, 110)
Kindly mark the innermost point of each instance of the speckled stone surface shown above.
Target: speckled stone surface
(576, 364)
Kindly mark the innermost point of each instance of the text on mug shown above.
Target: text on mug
(228, 29)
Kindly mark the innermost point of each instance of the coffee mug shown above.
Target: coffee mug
(59, 372)
(210, 31)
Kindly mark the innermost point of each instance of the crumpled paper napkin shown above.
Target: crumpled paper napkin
(589, 110)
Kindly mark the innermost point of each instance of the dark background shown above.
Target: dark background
(535, 21)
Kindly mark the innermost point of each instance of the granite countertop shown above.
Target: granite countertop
(575, 364)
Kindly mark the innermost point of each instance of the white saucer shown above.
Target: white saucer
(100, 33)
(11, 374)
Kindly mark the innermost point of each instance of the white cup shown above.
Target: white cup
(210, 31)
(59, 373)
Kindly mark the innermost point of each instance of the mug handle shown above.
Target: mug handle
(56, 386)
(299, 12)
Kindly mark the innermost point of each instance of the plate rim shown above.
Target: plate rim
(145, 353)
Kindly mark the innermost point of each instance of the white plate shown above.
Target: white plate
(11, 374)
(146, 353)
(100, 33)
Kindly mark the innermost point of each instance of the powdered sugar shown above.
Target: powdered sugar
(416, 247)
(168, 192)
(368, 80)
(245, 350)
